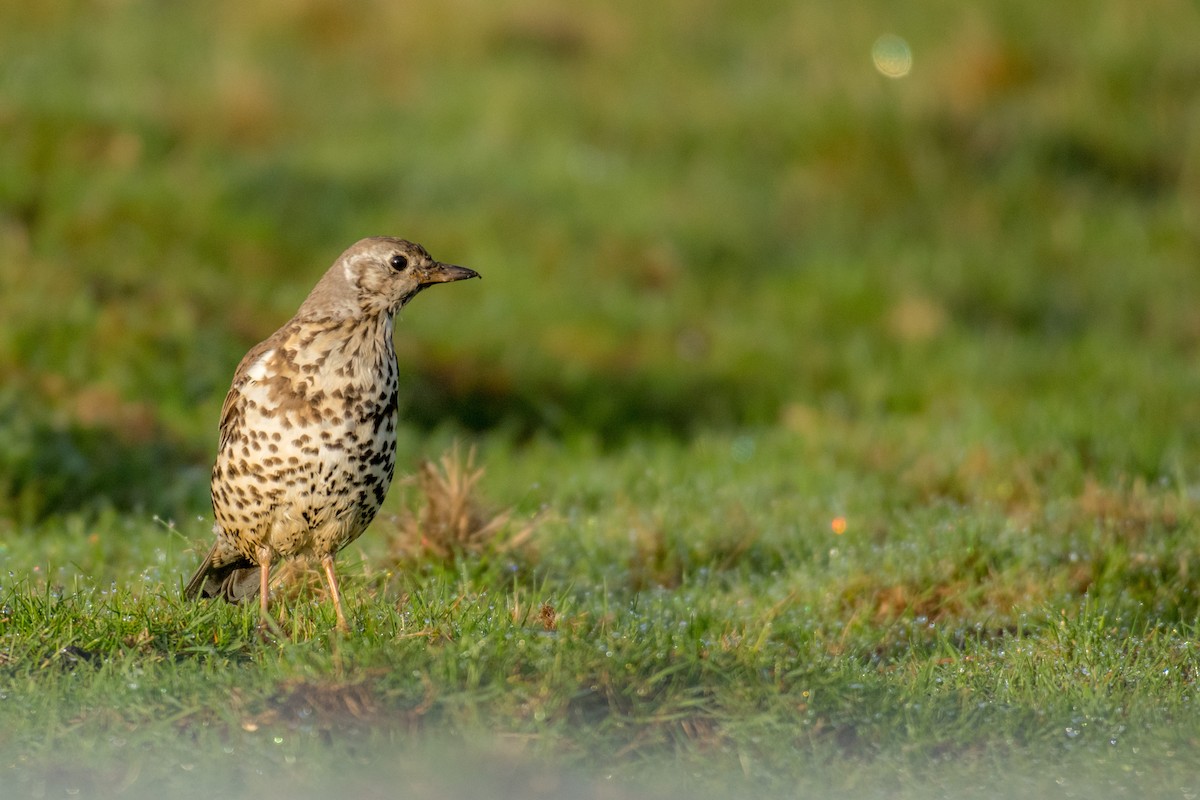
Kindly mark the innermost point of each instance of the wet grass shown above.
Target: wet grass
(838, 431)
(680, 618)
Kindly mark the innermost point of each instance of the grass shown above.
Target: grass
(625, 640)
(831, 433)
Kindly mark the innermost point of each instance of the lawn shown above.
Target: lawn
(813, 432)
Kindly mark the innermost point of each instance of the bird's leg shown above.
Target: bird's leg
(264, 573)
(331, 578)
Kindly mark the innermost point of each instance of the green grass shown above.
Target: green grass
(737, 286)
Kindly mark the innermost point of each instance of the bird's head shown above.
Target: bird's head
(378, 276)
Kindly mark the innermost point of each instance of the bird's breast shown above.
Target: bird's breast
(313, 452)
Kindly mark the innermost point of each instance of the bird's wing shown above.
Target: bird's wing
(233, 408)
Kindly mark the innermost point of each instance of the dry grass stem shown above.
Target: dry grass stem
(450, 520)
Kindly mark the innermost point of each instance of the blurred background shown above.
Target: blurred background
(979, 217)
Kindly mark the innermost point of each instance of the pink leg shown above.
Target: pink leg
(264, 572)
(331, 578)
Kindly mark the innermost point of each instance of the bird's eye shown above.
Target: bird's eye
(399, 262)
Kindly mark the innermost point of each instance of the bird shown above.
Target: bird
(307, 443)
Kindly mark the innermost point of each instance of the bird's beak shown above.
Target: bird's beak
(444, 273)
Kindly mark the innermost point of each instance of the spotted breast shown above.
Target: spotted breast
(308, 430)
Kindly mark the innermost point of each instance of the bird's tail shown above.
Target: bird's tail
(236, 581)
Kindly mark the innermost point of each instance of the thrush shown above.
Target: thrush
(307, 442)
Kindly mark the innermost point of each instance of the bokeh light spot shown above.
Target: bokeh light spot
(892, 56)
